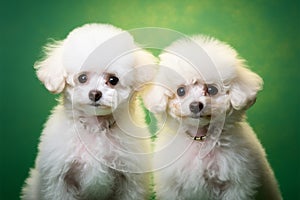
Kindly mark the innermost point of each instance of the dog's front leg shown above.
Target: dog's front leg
(130, 186)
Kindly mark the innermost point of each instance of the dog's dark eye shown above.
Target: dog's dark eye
(113, 80)
(211, 90)
(181, 91)
(82, 78)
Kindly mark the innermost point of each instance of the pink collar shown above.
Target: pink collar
(200, 135)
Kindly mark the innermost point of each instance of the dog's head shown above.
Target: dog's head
(96, 67)
(200, 77)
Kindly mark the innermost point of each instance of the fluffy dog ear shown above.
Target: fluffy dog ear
(156, 98)
(50, 70)
(145, 67)
(244, 88)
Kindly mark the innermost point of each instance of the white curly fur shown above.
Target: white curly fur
(83, 151)
(230, 163)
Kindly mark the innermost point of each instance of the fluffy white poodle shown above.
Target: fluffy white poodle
(89, 148)
(206, 149)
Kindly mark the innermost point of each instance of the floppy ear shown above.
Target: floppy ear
(156, 98)
(244, 88)
(145, 67)
(50, 70)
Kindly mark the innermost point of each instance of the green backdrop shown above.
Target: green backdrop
(266, 33)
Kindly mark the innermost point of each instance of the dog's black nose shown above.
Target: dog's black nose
(95, 95)
(196, 107)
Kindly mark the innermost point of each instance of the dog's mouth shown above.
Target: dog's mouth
(95, 104)
(97, 109)
(98, 105)
(197, 116)
(201, 116)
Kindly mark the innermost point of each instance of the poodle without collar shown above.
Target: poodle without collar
(83, 151)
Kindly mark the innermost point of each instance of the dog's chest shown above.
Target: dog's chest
(92, 155)
(94, 142)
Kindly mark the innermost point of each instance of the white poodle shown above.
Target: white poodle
(90, 148)
(206, 149)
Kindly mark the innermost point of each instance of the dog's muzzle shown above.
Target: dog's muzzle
(196, 107)
(95, 95)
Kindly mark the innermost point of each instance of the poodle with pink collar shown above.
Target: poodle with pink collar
(205, 148)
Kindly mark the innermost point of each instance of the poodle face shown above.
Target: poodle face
(201, 78)
(96, 68)
(96, 93)
(196, 102)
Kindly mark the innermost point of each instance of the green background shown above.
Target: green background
(266, 33)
